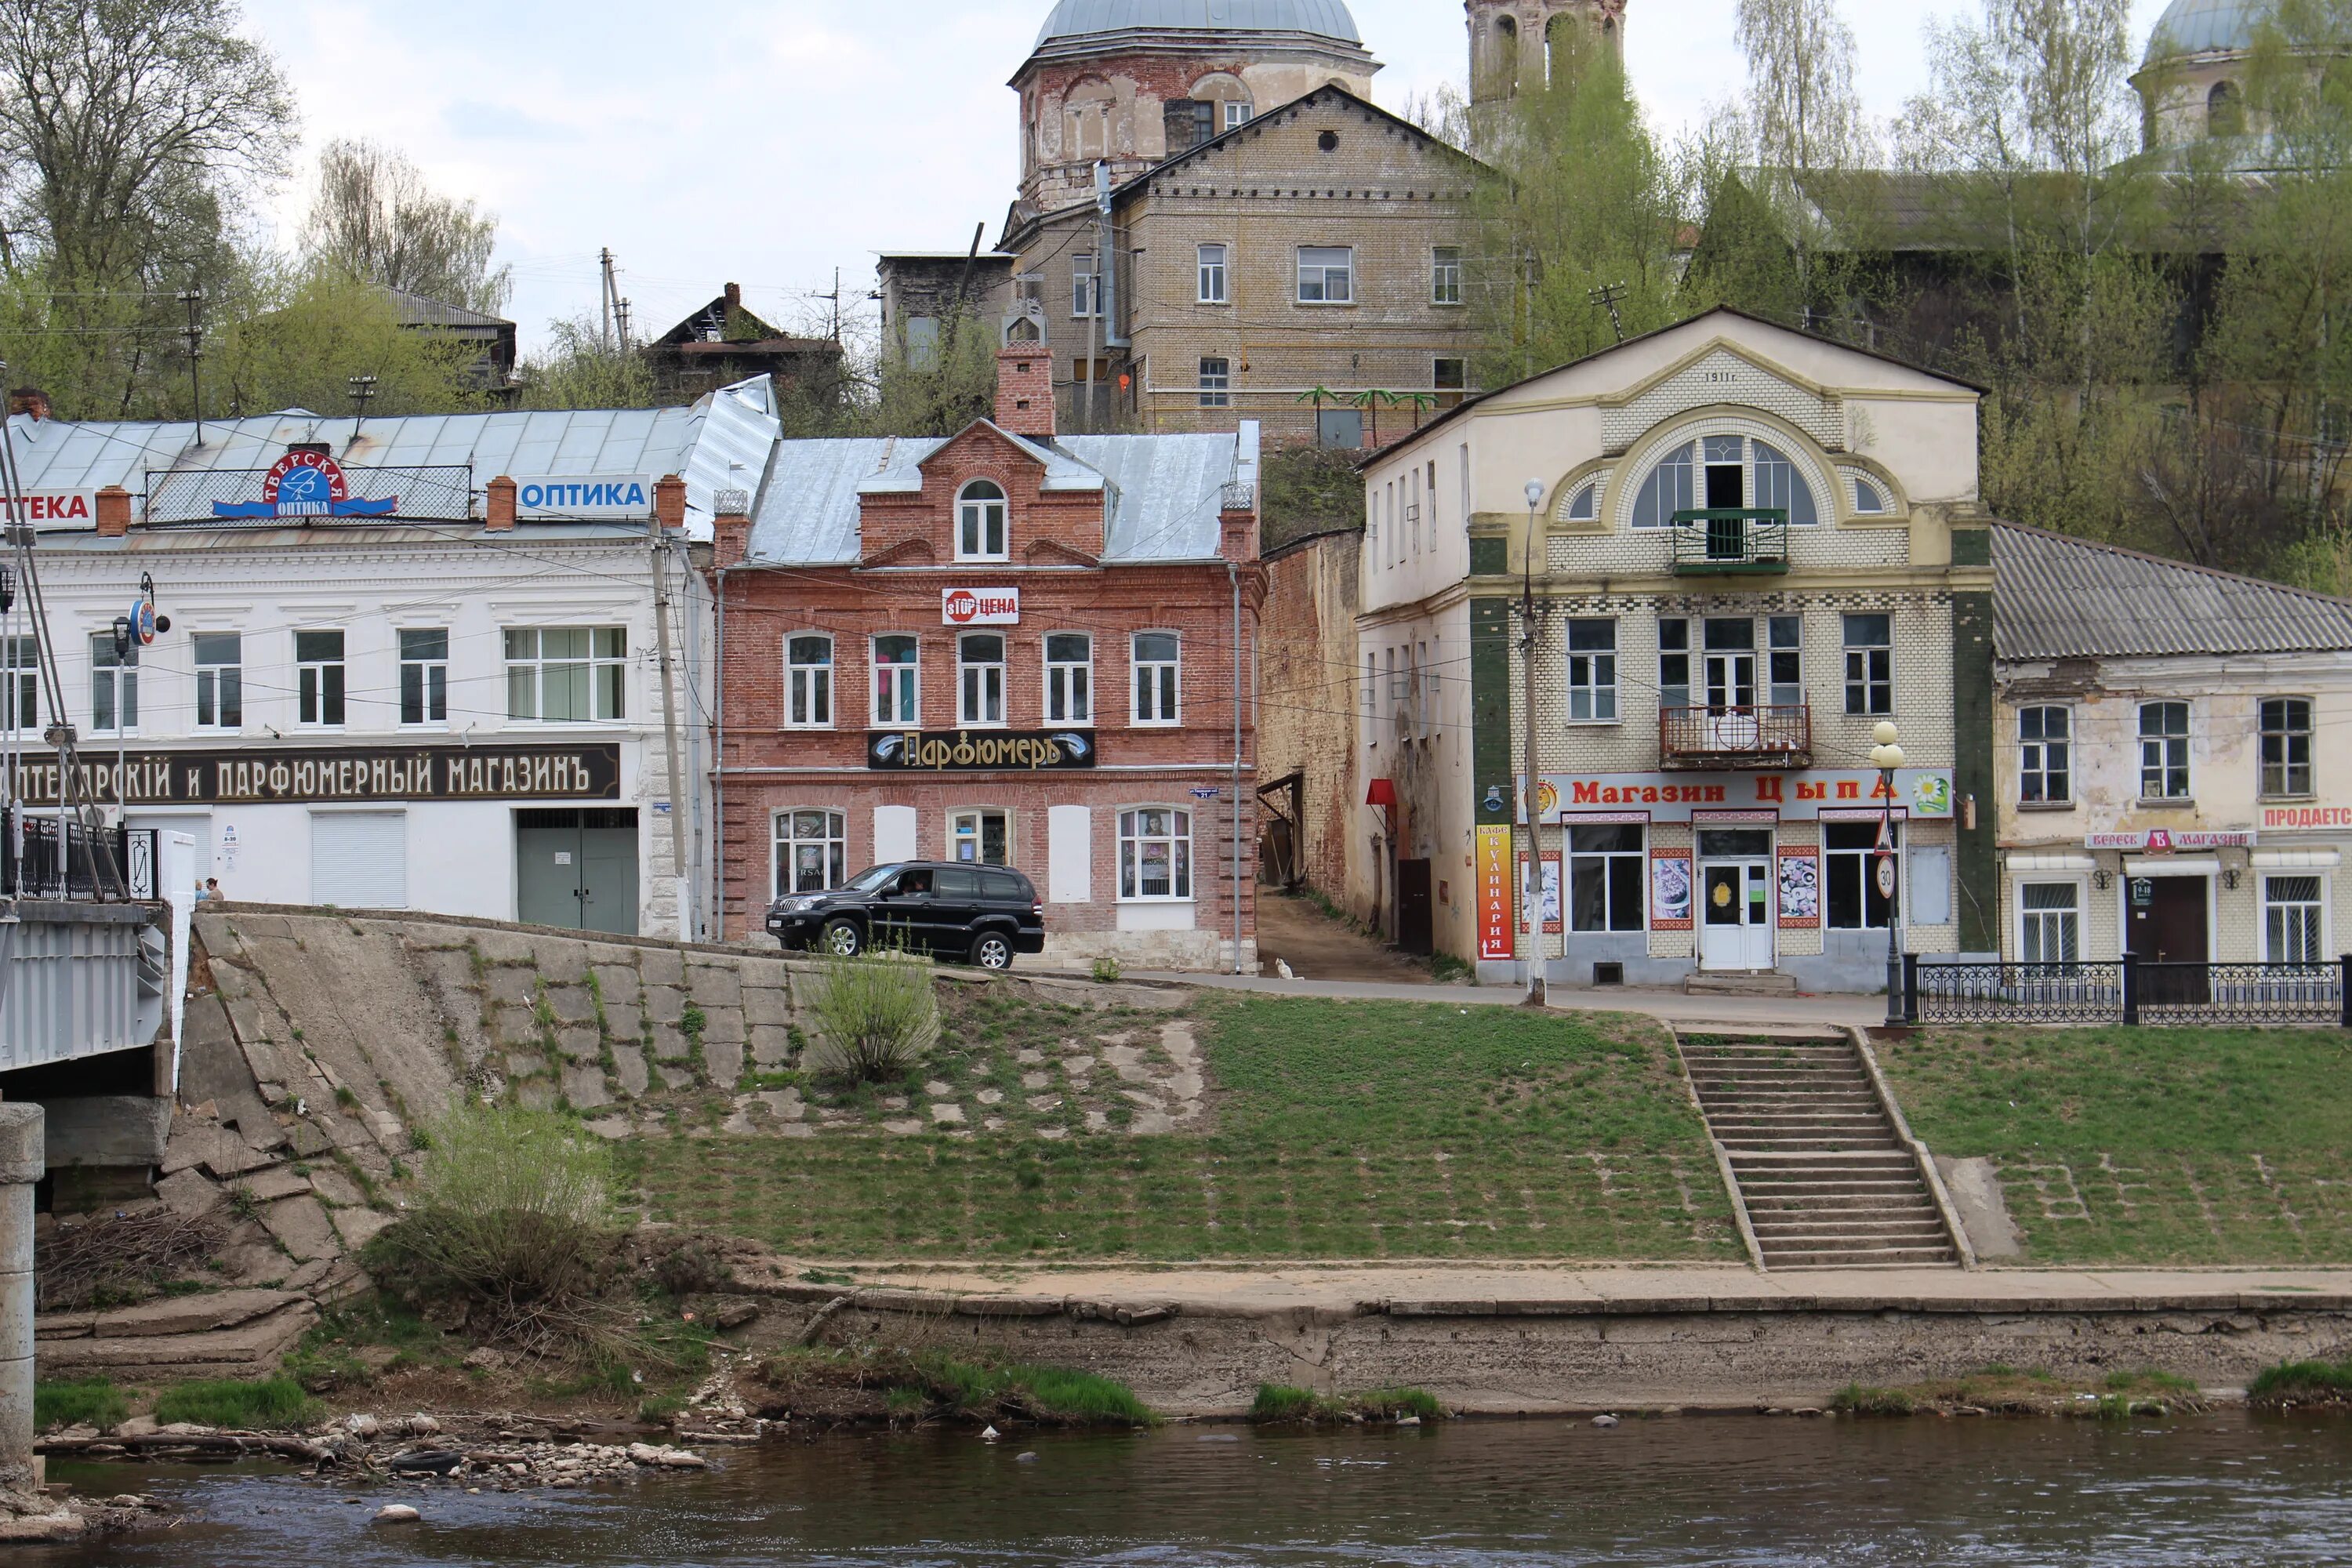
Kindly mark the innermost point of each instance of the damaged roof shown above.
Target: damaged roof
(2055, 597)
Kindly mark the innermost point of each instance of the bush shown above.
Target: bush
(876, 1016)
(1106, 970)
(2302, 1383)
(1858, 1399)
(693, 1268)
(90, 1402)
(274, 1402)
(1277, 1403)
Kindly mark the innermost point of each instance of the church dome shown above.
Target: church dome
(1079, 18)
(2205, 27)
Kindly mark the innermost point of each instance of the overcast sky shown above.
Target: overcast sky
(770, 142)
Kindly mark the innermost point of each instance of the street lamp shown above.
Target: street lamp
(1886, 756)
(124, 635)
(1533, 884)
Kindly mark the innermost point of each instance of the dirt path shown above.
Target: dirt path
(1317, 947)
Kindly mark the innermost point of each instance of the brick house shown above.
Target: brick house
(1003, 647)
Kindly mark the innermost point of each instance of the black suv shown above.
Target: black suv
(983, 914)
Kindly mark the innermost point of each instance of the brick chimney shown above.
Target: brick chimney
(730, 527)
(499, 507)
(1024, 390)
(734, 298)
(669, 501)
(113, 512)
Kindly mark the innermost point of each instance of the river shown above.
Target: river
(2228, 1487)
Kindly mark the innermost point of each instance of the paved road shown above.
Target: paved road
(1675, 1006)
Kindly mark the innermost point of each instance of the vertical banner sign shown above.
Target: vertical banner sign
(1552, 924)
(1800, 887)
(1670, 889)
(1494, 892)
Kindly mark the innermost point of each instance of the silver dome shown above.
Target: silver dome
(2202, 26)
(1078, 18)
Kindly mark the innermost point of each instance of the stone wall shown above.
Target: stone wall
(1307, 703)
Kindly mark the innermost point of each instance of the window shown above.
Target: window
(1445, 276)
(1868, 497)
(1591, 672)
(1327, 274)
(979, 678)
(1870, 664)
(808, 682)
(1780, 487)
(2224, 114)
(1606, 872)
(1674, 664)
(2287, 746)
(2049, 923)
(2164, 750)
(318, 678)
(1212, 260)
(1724, 473)
(1155, 853)
(979, 522)
(895, 669)
(1085, 289)
(424, 676)
(1449, 378)
(22, 698)
(113, 686)
(984, 837)
(1670, 488)
(1584, 506)
(1412, 507)
(1237, 113)
(1371, 695)
(812, 851)
(1156, 656)
(1069, 678)
(1216, 382)
(2045, 755)
(2291, 925)
(1850, 851)
(1785, 636)
(561, 675)
(220, 680)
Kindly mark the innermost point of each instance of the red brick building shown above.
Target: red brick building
(1000, 647)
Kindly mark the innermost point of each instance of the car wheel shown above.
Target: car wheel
(843, 938)
(992, 949)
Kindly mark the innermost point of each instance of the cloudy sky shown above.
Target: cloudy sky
(770, 142)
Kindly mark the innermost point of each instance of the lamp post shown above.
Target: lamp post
(1532, 889)
(1886, 756)
(124, 635)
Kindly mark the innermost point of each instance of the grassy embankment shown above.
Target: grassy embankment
(2147, 1146)
(1326, 1129)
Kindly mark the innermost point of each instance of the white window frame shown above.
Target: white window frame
(1871, 497)
(2027, 918)
(808, 686)
(1372, 697)
(119, 678)
(606, 672)
(2033, 756)
(432, 679)
(1775, 652)
(1132, 837)
(2165, 767)
(1323, 272)
(975, 818)
(1238, 111)
(2322, 947)
(1671, 650)
(1863, 686)
(1639, 856)
(218, 682)
(1086, 286)
(1584, 503)
(1591, 674)
(1214, 274)
(1167, 708)
(1216, 385)
(975, 508)
(973, 700)
(905, 692)
(1868, 871)
(782, 843)
(1070, 682)
(2309, 736)
(1446, 275)
(20, 700)
(322, 683)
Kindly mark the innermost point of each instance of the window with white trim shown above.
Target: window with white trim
(1593, 672)
(808, 681)
(1210, 262)
(1372, 698)
(812, 850)
(1069, 678)
(318, 680)
(2045, 755)
(1728, 472)
(2049, 922)
(113, 686)
(220, 680)
(1870, 665)
(20, 699)
(1584, 506)
(1237, 113)
(1327, 274)
(1157, 658)
(1607, 868)
(2286, 747)
(1869, 499)
(897, 684)
(2164, 750)
(1155, 855)
(1850, 897)
(1216, 382)
(979, 522)
(979, 678)
(983, 836)
(1446, 275)
(425, 676)
(567, 675)
(1085, 289)
(2291, 926)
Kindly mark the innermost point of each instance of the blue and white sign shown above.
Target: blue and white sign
(600, 496)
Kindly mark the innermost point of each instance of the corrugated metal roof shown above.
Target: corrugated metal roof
(2059, 597)
(1165, 492)
(1078, 18)
(2195, 26)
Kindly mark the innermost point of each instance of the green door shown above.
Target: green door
(577, 869)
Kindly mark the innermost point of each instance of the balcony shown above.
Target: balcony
(1736, 737)
(1741, 542)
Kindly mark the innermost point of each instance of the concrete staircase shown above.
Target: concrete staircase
(1825, 1178)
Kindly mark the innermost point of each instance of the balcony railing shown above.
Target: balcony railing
(1749, 737)
(1745, 540)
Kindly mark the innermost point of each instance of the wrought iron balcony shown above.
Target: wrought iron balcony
(1741, 540)
(1747, 737)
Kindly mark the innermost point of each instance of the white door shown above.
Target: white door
(1736, 919)
(359, 860)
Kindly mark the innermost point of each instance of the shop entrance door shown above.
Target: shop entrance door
(1735, 900)
(577, 869)
(2168, 927)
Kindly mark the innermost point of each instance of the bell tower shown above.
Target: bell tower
(1512, 41)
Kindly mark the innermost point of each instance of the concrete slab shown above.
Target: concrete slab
(625, 1021)
(301, 1228)
(770, 1047)
(190, 1193)
(584, 1086)
(629, 1066)
(359, 1226)
(619, 983)
(269, 1185)
(723, 1060)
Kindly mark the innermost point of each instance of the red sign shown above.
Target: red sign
(54, 507)
(980, 607)
(305, 477)
(1494, 892)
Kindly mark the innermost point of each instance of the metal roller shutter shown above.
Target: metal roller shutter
(359, 860)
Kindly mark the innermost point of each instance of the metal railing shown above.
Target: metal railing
(1750, 737)
(218, 496)
(1739, 540)
(110, 863)
(2130, 991)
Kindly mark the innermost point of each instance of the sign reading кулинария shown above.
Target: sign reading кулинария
(346, 774)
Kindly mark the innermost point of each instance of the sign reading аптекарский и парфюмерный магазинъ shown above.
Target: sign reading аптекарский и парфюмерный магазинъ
(265, 774)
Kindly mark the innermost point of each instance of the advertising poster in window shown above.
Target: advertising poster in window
(1553, 921)
(1670, 889)
(1800, 887)
(1494, 892)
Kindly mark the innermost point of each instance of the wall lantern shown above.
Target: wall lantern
(2100, 880)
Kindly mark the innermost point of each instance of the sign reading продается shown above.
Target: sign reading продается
(345, 773)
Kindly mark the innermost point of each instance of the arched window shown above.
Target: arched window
(1668, 489)
(980, 523)
(1506, 53)
(1869, 498)
(1585, 504)
(2225, 114)
(1724, 472)
(1780, 485)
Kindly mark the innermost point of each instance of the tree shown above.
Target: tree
(1802, 116)
(580, 370)
(372, 215)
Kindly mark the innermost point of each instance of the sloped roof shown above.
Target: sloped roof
(413, 309)
(2055, 597)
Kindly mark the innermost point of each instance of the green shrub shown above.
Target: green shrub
(1106, 970)
(875, 1018)
(1047, 1394)
(1858, 1399)
(1395, 1403)
(2302, 1383)
(90, 1402)
(1277, 1403)
(272, 1401)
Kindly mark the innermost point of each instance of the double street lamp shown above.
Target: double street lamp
(1886, 756)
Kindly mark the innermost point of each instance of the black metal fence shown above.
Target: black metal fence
(2133, 991)
(110, 863)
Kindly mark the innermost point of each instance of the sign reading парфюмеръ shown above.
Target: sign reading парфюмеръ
(979, 750)
(265, 775)
(629, 497)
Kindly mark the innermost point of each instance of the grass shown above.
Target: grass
(330, 1358)
(2011, 1390)
(1340, 1130)
(88, 1402)
(1056, 1395)
(1279, 1404)
(268, 1403)
(2302, 1383)
(2146, 1146)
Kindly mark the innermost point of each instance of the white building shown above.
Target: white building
(416, 664)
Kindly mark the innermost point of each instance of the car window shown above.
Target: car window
(1003, 885)
(954, 883)
(916, 881)
(867, 880)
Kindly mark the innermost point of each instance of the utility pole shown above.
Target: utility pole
(1095, 291)
(679, 879)
(194, 299)
(606, 294)
(1606, 297)
(621, 312)
(1530, 643)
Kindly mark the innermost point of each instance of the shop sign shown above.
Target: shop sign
(627, 496)
(1670, 889)
(2307, 816)
(1552, 923)
(979, 750)
(980, 607)
(2166, 840)
(305, 483)
(55, 509)
(1494, 892)
(1802, 796)
(264, 776)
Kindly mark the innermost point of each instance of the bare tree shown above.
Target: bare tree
(1802, 118)
(374, 214)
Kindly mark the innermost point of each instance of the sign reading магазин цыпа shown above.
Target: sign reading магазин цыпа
(261, 776)
(1798, 795)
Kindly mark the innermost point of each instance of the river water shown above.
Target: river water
(2221, 1489)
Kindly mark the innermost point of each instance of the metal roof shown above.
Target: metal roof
(1078, 18)
(2198, 26)
(2059, 597)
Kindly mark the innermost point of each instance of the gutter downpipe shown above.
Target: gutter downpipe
(1234, 575)
(718, 762)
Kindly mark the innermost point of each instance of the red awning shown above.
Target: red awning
(1383, 792)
